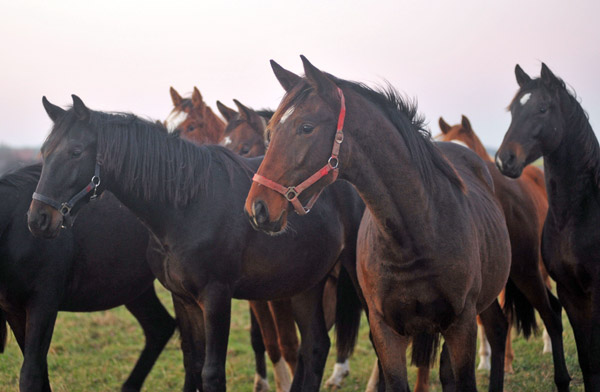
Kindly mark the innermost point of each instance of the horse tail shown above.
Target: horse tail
(3, 331)
(518, 308)
(424, 349)
(347, 315)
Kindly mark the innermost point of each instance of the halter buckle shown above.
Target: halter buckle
(291, 193)
(65, 209)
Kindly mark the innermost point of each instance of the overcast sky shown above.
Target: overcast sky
(455, 57)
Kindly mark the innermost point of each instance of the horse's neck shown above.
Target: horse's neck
(570, 176)
(391, 187)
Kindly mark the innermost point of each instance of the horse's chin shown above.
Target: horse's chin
(48, 233)
(272, 228)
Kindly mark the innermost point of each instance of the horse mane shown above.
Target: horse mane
(150, 162)
(22, 177)
(403, 114)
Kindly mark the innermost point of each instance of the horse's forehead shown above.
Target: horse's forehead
(175, 119)
(525, 98)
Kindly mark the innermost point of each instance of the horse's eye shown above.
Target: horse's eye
(76, 153)
(190, 128)
(306, 128)
(543, 109)
(245, 149)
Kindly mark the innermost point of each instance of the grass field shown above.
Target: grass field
(96, 351)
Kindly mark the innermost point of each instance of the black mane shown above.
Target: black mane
(403, 114)
(150, 162)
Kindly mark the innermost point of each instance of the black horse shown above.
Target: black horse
(98, 264)
(548, 121)
(191, 198)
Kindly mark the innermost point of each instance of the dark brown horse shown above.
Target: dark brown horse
(245, 135)
(433, 249)
(191, 198)
(98, 264)
(548, 121)
(272, 326)
(525, 204)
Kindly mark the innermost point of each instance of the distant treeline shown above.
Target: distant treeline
(14, 158)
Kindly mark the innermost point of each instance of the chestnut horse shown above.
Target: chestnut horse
(272, 326)
(525, 204)
(433, 248)
(191, 199)
(245, 135)
(548, 121)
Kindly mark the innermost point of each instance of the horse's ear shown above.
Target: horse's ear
(54, 112)
(175, 97)
(197, 98)
(321, 82)
(244, 111)
(286, 78)
(522, 77)
(444, 126)
(81, 111)
(227, 113)
(466, 124)
(547, 75)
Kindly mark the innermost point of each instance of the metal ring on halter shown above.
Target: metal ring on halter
(339, 137)
(65, 209)
(291, 193)
(331, 160)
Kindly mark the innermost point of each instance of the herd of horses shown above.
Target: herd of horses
(428, 238)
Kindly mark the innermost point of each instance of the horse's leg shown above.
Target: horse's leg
(215, 301)
(533, 288)
(484, 348)
(391, 351)
(191, 329)
(509, 354)
(548, 283)
(314, 347)
(283, 315)
(446, 373)
(158, 328)
(18, 324)
(496, 329)
(373, 383)
(261, 383)
(422, 379)
(461, 340)
(40, 319)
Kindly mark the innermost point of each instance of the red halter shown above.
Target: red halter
(291, 193)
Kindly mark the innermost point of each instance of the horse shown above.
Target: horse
(433, 249)
(244, 135)
(548, 121)
(272, 326)
(525, 205)
(193, 119)
(191, 199)
(89, 267)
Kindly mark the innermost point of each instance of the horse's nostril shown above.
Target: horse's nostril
(261, 212)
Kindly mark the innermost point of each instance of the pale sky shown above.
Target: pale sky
(454, 57)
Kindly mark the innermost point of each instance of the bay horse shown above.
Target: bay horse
(191, 199)
(245, 135)
(548, 121)
(89, 267)
(433, 248)
(525, 204)
(272, 326)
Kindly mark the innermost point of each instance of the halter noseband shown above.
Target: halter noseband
(291, 193)
(65, 208)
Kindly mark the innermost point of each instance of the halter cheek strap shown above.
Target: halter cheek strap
(65, 208)
(291, 193)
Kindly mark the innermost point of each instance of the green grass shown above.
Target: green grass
(96, 352)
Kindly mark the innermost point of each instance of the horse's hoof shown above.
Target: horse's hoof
(508, 369)
(260, 384)
(340, 371)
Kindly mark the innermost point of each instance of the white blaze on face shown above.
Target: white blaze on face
(524, 99)
(175, 119)
(226, 141)
(287, 114)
